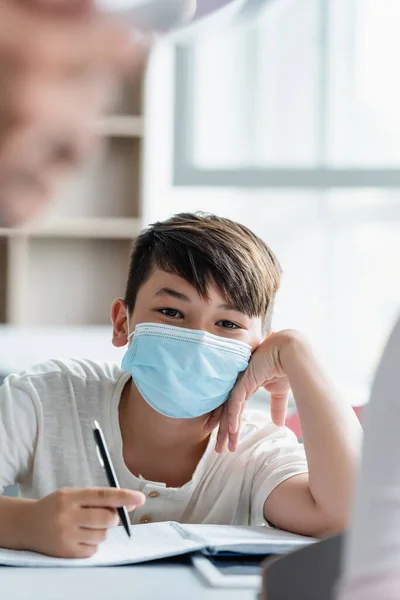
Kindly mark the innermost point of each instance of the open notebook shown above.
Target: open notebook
(162, 540)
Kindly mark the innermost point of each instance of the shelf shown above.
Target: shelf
(121, 127)
(67, 266)
(107, 186)
(92, 228)
(72, 281)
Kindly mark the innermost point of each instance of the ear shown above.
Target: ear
(120, 324)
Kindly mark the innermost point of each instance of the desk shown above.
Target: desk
(141, 582)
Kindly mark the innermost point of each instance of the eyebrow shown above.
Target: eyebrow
(179, 296)
(229, 307)
(172, 294)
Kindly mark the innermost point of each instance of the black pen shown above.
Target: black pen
(105, 461)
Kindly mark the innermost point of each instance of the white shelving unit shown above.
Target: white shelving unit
(66, 268)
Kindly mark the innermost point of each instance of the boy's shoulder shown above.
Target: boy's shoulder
(84, 370)
(60, 389)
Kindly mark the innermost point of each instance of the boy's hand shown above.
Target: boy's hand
(71, 523)
(265, 370)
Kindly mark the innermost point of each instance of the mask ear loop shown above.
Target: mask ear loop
(130, 333)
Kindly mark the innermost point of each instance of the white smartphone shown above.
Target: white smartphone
(235, 572)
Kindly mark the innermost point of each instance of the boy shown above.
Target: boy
(196, 314)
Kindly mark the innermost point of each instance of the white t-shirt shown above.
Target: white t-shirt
(46, 443)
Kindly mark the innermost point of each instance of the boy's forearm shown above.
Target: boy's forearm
(14, 522)
(331, 431)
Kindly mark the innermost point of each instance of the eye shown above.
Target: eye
(171, 312)
(228, 325)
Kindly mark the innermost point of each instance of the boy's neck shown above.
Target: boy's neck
(148, 434)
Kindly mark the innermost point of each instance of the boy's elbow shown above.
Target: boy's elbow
(325, 519)
(332, 527)
(330, 524)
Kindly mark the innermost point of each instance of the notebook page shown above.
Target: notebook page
(250, 540)
(148, 542)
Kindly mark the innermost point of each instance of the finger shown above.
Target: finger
(66, 6)
(91, 537)
(47, 144)
(234, 437)
(97, 518)
(38, 99)
(56, 41)
(236, 402)
(32, 162)
(233, 441)
(279, 404)
(83, 551)
(214, 419)
(110, 497)
(81, 44)
(223, 431)
(22, 202)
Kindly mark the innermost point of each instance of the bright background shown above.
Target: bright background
(291, 125)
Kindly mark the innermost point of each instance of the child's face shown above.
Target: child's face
(169, 299)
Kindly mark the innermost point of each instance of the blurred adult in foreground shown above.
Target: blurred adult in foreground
(61, 62)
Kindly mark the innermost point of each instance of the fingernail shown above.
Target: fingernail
(138, 497)
(132, 505)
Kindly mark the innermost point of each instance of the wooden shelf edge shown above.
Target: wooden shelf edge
(93, 228)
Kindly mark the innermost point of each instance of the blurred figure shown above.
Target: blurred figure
(372, 557)
(60, 65)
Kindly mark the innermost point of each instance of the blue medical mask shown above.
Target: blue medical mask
(183, 373)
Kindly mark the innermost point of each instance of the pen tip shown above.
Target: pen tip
(96, 424)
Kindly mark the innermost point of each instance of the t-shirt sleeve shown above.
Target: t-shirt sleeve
(18, 430)
(278, 458)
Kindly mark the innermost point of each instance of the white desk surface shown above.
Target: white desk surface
(141, 582)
